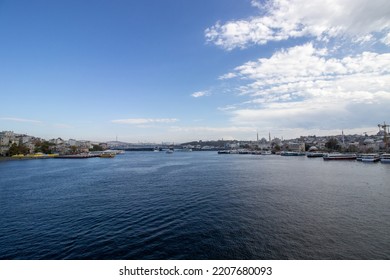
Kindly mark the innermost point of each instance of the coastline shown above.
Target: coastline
(16, 158)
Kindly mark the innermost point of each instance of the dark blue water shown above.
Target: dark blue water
(197, 205)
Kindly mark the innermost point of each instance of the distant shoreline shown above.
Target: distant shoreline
(13, 158)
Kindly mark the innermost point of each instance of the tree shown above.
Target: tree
(96, 148)
(13, 150)
(352, 149)
(17, 149)
(44, 147)
(332, 144)
(73, 149)
(277, 148)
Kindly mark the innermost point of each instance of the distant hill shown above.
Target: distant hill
(117, 143)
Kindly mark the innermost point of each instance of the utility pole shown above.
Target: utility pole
(385, 127)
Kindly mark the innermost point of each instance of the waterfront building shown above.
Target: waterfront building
(72, 142)
(57, 141)
(294, 147)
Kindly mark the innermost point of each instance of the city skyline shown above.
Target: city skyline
(179, 71)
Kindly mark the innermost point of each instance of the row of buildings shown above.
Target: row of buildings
(346, 143)
(31, 144)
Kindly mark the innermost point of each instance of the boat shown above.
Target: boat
(266, 153)
(370, 158)
(385, 158)
(314, 154)
(169, 151)
(286, 153)
(115, 152)
(338, 156)
(223, 152)
(107, 155)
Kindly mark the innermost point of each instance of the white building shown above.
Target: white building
(72, 142)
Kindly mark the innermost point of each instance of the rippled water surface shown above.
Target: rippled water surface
(198, 205)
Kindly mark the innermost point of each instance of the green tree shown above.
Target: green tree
(332, 144)
(73, 150)
(96, 148)
(352, 149)
(17, 149)
(277, 148)
(13, 150)
(44, 147)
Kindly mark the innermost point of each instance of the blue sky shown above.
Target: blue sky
(152, 71)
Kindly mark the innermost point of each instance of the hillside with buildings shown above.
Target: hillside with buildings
(13, 143)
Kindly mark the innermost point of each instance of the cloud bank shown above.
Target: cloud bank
(302, 86)
(320, 19)
(316, 85)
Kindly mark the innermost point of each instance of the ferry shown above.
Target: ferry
(284, 153)
(314, 154)
(338, 156)
(370, 158)
(385, 158)
(107, 155)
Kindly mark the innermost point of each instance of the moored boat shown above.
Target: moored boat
(385, 158)
(314, 154)
(287, 153)
(107, 155)
(370, 158)
(338, 156)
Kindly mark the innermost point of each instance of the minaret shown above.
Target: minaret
(269, 136)
(257, 136)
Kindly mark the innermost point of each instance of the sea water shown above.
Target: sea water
(194, 205)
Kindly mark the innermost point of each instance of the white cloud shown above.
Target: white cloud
(386, 39)
(320, 19)
(303, 87)
(227, 108)
(142, 121)
(199, 94)
(21, 120)
(227, 76)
